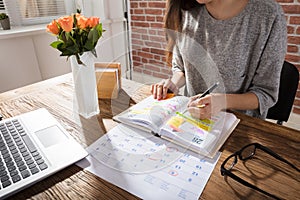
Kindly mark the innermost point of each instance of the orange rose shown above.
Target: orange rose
(66, 23)
(92, 21)
(53, 27)
(81, 21)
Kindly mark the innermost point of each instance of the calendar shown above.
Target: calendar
(141, 163)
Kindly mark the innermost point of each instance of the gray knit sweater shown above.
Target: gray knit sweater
(244, 53)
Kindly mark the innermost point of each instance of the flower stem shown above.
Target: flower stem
(78, 59)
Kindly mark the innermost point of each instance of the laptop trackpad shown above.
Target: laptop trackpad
(51, 136)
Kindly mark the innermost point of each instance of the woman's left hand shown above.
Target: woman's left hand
(207, 106)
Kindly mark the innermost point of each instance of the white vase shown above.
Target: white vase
(85, 99)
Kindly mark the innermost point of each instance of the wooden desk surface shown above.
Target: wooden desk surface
(75, 183)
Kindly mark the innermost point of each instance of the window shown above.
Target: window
(30, 12)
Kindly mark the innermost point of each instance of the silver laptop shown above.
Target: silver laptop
(33, 146)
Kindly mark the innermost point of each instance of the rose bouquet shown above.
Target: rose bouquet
(76, 34)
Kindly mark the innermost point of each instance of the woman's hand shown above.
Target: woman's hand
(207, 106)
(160, 90)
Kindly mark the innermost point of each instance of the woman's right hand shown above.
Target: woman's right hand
(160, 90)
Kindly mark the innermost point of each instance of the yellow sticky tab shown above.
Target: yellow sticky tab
(175, 122)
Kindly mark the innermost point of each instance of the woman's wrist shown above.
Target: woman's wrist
(173, 87)
(246, 101)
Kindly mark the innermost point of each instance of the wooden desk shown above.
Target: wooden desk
(75, 183)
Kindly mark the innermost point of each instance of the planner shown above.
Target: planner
(170, 120)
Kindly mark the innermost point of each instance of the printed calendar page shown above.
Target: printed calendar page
(148, 166)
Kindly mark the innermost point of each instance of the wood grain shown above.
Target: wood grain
(75, 183)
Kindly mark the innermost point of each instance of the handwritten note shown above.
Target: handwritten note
(142, 163)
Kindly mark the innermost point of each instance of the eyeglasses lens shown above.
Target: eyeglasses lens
(247, 152)
(230, 163)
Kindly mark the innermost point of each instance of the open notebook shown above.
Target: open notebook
(170, 120)
(33, 146)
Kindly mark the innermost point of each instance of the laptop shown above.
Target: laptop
(32, 147)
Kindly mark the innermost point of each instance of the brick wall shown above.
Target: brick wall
(148, 39)
(292, 11)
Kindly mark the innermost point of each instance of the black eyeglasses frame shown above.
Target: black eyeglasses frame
(238, 155)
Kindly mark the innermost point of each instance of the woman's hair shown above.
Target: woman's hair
(173, 22)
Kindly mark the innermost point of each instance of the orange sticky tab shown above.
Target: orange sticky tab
(170, 95)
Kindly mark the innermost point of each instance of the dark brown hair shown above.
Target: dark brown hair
(173, 22)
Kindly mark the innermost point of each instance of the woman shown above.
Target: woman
(239, 43)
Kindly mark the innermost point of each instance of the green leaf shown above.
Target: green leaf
(55, 44)
(88, 45)
(93, 36)
(94, 52)
(100, 29)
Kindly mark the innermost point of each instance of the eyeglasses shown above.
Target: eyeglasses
(244, 154)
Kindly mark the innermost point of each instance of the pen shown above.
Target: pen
(208, 91)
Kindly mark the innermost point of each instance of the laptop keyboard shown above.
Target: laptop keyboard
(19, 158)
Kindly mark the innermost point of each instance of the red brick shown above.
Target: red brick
(159, 19)
(136, 58)
(153, 12)
(146, 55)
(291, 9)
(135, 41)
(298, 31)
(290, 29)
(157, 57)
(156, 25)
(139, 30)
(134, 5)
(136, 36)
(285, 1)
(152, 32)
(158, 51)
(294, 19)
(297, 102)
(157, 4)
(150, 18)
(138, 11)
(153, 44)
(143, 4)
(145, 37)
(146, 49)
(296, 110)
(156, 62)
(292, 58)
(158, 38)
(294, 40)
(144, 60)
(292, 49)
(140, 24)
(138, 18)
